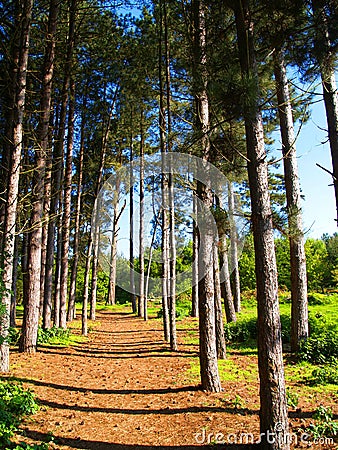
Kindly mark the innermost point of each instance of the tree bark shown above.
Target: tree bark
(207, 340)
(299, 303)
(229, 306)
(86, 289)
(220, 339)
(195, 237)
(20, 80)
(164, 186)
(131, 226)
(236, 289)
(71, 314)
(273, 404)
(141, 309)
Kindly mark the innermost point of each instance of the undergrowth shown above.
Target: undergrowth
(16, 403)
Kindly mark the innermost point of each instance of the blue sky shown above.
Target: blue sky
(319, 209)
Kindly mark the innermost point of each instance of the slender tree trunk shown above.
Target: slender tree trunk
(56, 182)
(67, 199)
(141, 311)
(164, 186)
(172, 241)
(12, 318)
(229, 306)
(194, 293)
(20, 79)
(131, 227)
(86, 289)
(207, 338)
(327, 55)
(273, 405)
(220, 339)
(71, 314)
(172, 265)
(236, 290)
(99, 178)
(299, 308)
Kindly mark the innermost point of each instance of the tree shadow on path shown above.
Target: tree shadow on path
(101, 445)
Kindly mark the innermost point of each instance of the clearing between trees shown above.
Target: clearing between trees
(123, 388)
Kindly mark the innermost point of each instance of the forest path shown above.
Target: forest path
(124, 389)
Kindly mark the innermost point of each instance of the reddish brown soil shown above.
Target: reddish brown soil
(124, 389)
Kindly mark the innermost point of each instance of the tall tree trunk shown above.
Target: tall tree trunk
(71, 314)
(326, 54)
(236, 286)
(99, 178)
(12, 318)
(86, 288)
(172, 241)
(19, 80)
(113, 254)
(57, 173)
(299, 308)
(207, 337)
(131, 226)
(273, 405)
(229, 306)
(164, 185)
(220, 339)
(141, 305)
(67, 199)
(194, 291)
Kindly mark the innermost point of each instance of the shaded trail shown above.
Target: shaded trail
(123, 389)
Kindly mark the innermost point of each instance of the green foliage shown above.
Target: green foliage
(53, 336)
(327, 374)
(15, 403)
(247, 265)
(241, 331)
(324, 425)
(317, 265)
(292, 398)
(320, 349)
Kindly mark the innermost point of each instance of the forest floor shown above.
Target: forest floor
(123, 388)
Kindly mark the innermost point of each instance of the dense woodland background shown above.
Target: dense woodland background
(88, 86)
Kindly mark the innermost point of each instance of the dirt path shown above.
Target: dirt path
(123, 389)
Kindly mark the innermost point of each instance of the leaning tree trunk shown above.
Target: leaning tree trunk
(207, 333)
(273, 404)
(299, 303)
(13, 180)
(326, 55)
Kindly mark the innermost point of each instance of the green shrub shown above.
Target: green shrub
(325, 375)
(53, 336)
(320, 349)
(246, 329)
(15, 403)
(241, 331)
(324, 425)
